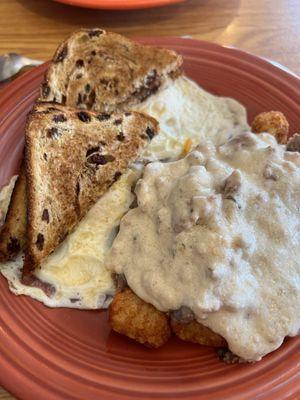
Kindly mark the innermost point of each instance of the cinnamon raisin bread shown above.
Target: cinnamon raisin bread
(72, 157)
(104, 71)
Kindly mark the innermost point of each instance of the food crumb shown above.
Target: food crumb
(187, 147)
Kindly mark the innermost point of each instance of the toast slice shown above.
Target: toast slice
(71, 158)
(12, 233)
(103, 71)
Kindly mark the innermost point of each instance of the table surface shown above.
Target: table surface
(268, 28)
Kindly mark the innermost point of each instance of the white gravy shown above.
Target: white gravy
(219, 232)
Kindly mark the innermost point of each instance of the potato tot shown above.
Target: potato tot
(273, 122)
(197, 333)
(132, 317)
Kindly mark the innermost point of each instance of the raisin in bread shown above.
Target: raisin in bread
(103, 71)
(12, 233)
(71, 158)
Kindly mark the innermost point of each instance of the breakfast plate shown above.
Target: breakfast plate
(119, 4)
(72, 354)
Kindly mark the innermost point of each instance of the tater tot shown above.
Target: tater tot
(132, 317)
(273, 122)
(197, 333)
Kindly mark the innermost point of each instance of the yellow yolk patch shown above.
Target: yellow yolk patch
(187, 147)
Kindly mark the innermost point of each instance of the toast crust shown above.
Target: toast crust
(12, 233)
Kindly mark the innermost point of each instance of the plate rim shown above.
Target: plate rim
(14, 87)
(119, 4)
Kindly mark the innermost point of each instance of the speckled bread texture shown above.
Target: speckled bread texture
(72, 157)
(134, 318)
(104, 71)
(12, 233)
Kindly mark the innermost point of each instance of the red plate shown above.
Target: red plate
(119, 4)
(70, 354)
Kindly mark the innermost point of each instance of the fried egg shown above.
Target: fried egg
(187, 115)
(76, 268)
(5, 195)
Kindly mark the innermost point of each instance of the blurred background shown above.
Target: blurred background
(268, 28)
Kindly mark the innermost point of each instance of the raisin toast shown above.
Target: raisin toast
(104, 71)
(71, 158)
(12, 233)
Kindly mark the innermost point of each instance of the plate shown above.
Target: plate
(71, 354)
(119, 4)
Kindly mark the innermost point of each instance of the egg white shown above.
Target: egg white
(185, 111)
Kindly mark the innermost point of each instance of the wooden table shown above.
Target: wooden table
(268, 28)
